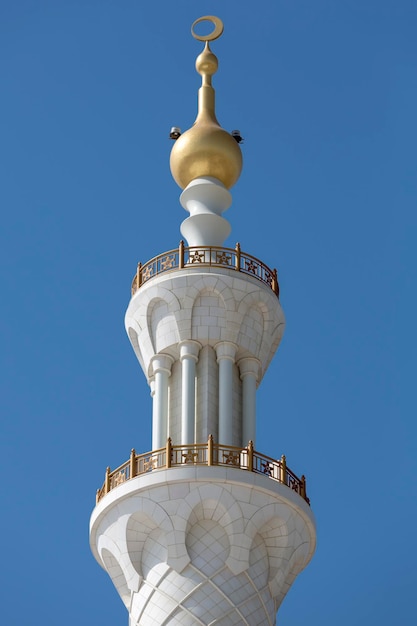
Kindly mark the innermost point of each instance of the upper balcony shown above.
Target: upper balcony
(205, 256)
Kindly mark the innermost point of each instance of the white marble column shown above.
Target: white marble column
(249, 373)
(154, 418)
(189, 356)
(161, 364)
(225, 352)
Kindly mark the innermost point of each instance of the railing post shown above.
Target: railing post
(107, 481)
(132, 466)
(250, 456)
(181, 254)
(169, 452)
(237, 249)
(210, 450)
(303, 490)
(283, 470)
(138, 276)
(275, 286)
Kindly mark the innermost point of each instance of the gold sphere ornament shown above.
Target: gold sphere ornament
(206, 63)
(206, 149)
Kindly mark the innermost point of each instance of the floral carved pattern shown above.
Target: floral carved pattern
(167, 263)
(292, 484)
(190, 456)
(197, 257)
(147, 273)
(251, 266)
(267, 468)
(231, 458)
(150, 464)
(119, 478)
(223, 259)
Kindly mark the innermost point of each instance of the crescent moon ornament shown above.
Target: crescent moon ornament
(215, 34)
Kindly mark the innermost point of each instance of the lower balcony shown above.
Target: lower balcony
(209, 454)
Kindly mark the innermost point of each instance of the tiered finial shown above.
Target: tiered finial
(206, 149)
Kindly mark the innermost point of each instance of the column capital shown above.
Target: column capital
(189, 349)
(226, 350)
(249, 366)
(161, 363)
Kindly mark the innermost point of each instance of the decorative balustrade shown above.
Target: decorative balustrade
(209, 454)
(201, 256)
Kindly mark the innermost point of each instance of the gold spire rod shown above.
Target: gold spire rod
(206, 65)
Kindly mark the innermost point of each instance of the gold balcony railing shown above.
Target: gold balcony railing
(210, 454)
(203, 256)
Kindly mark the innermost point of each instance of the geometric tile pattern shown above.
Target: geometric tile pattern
(206, 592)
(212, 551)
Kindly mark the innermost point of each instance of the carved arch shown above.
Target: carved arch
(143, 511)
(119, 566)
(213, 502)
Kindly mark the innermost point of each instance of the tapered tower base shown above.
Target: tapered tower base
(202, 545)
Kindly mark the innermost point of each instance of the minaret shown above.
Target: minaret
(204, 529)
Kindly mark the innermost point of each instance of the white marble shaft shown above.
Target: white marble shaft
(205, 199)
(202, 546)
(205, 336)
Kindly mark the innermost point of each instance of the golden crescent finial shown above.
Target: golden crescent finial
(215, 34)
(206, 149)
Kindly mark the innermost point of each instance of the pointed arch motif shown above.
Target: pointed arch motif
(119, 567)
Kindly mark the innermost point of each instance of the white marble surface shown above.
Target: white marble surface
(207, 306)
(201, 545)
(213, 307)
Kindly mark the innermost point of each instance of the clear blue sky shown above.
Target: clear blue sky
(325, 94)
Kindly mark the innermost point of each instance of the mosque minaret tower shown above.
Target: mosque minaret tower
(203, 529)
